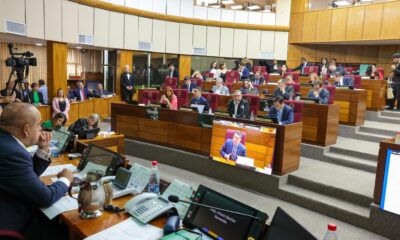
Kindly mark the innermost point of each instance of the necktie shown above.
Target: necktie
(279, 115)
(234, 150)
(83, 95)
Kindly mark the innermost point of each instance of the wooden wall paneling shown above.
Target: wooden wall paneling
(372, 21)
(296, 27)
(309, 26)
(123, 58)
(323, 51)
(355, 21)
(390, 21)
(385, 53)
(323, 28)
(56, 67)
(339, 52)
(101, 107)
(339, 23)
(309, 52)
(299, 6)
(294, 52)
(73, 113)
(85, 108)
(353, 54)
(185, 64)
(369, 54)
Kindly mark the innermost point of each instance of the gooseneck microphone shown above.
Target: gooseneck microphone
(175, 199)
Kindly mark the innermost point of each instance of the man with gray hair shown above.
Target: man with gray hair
(283, 91)
(21, 190)
(219, 88)
(127, 84)
(238, 107)
(85, 123)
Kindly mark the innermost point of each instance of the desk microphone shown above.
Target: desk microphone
(175, 199)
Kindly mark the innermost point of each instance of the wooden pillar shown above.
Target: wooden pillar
(123, 58)
(56, 68)
(185, 65)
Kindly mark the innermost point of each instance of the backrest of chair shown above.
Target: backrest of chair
(381, 70)
(199, 82)
(262, 69)
(295, 76)
(152, 96)
(357, 81)
(171, 81)
(229, 135)
(182, 96)
(266, 77)
(254, 102)
(311, 69)
(207, 74)
(229, 86)
(348, 70)
(331, 90)
(232, 76)
(212, 99)
(296, 87)
(297, 109)
(9, 234)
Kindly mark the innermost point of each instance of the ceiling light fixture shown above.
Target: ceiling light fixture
(237, 7)
(39, 44)
(227, 2)
(253, 7)
(341, 3)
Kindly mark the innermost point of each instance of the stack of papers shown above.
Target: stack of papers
(54, 170)
(64, 204)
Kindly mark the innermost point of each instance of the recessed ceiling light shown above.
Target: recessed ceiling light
(39, 44)
(237, 7)
(215, 6)
(78, 47)
(341, 3)
(227, 2)
(253, 7)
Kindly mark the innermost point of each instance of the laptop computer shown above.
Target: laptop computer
(88, 133)
(120, 184)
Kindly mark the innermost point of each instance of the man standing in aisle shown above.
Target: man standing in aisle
(396, 70)
(127, 84)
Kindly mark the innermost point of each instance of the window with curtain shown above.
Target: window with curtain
(83, 60)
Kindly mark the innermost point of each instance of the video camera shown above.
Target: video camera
(26, 58)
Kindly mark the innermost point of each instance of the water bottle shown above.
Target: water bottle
(210, 111)
(154, 182)
(252, 116)
(331, 233)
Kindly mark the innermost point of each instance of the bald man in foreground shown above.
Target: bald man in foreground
(21, 190)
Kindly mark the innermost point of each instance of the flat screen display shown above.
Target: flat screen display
(390, 190)
(243, 145)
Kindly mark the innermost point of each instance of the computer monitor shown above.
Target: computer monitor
(61, 140)
(219, 224)
(285, 227)
(122, 178)
(99, 158)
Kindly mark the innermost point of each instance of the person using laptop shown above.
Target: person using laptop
(84, 124)
(198, 99)
(233, 147)
(319, 93)
(281, 111)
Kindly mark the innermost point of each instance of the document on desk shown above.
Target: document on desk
(130, 230)
(54, 170)
(64, 204)
(139, 179)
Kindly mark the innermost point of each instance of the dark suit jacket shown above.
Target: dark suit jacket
(301, 67)
(323, 95)
(228, 147)
(397, 75)
(174, 74)
(99, 94)
(79, 125)
(245, 73)
(243, 110)
(77, 93)
(289, 91)
(125, 81)
(21, 190)
(287, 114)
(192, 85)
(201, 101)
(338, 69)
(40, 97)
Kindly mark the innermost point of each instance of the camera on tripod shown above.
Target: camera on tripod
(26, 58)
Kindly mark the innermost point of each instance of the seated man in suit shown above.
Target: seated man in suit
(84, 123)
(233, 148)
(340, 81)
(301, 67)
(258, 78)
(21, 190)
(332, 69)
(81, 93)
(188, 84)
(199, 100)
(243, 71)
(247, 88)
(320, 93)
(172, 71)
(238, 107)
(281, 111)
(274, 67)
(99, 92)
(70, 93)
(219, 88)
(283, 91)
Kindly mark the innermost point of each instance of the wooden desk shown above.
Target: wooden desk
(115, 142)
(180, 130)
(376, 94)
(45, 112)
(380, 169)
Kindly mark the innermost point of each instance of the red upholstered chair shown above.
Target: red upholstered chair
(182, 95)
(254, 102)
(171, 81)
(262, 69)
(310, 69)
(152, 96)
(9, 234)
(232, 76)
(381, 70)
(199, 82)
(331, 90)
(296, 87)
(212, 99)
(207, 75)
(294, 74)
(357, 81)
(229, 135)
(266, 77)
(348, 70)
(229, 86)
(297, 109)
